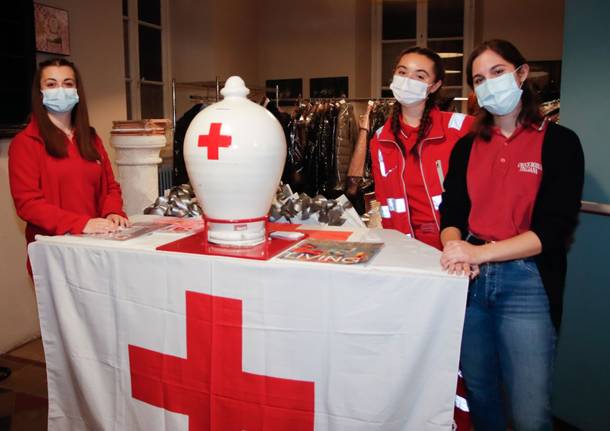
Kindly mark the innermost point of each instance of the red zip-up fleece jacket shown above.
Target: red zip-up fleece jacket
(391, 168)
(54, 195)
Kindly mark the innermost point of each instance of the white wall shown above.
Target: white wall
(535, 27)
(363, 57)
(18, 318)
(317, 38)
(270, 39)
(212, 39)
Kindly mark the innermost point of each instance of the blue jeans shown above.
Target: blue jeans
(508, 348)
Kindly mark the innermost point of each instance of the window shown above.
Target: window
(445, 26)
(146, 65)
(18, 57)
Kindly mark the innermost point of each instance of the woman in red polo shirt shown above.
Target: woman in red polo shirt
(60, 176)
(410, 157)
(510, 206)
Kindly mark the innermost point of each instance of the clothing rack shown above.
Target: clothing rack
(195, 97)
(347, 99)
(334, 99)
(196, 85)
(210, 85)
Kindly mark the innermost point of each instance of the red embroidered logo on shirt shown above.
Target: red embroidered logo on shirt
(530, 167)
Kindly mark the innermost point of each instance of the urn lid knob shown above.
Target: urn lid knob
(235, 87)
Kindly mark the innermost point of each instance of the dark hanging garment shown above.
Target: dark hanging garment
(179, 173)
(331, 173)
(312, 153)
(285, 121)
(294, 171)
(345, 140)
(325, 151)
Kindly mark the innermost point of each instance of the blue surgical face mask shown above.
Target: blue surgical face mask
(60, 99)
(499, 95)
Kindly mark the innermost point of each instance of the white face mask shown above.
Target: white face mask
(408, 91)
(499, 95)
(60, 99)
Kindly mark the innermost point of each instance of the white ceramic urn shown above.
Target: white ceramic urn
(235, 152)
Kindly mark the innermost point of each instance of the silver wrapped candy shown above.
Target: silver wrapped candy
(302, 209)
(179, 202)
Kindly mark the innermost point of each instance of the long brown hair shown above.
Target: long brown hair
(426, 121)
(54, 139)
(529, 114)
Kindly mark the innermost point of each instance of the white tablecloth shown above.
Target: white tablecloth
(372, 347)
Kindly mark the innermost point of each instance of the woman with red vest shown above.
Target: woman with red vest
(410, 153)
(510, 208)
(410, 156)
(60, 176)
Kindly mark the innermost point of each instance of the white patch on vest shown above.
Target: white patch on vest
(378, 132)
(530, 167)
(391, 205)
(436, 200)
(385, 211)
(400, 205)
(461, 403)
(384, 173)
(456, 121)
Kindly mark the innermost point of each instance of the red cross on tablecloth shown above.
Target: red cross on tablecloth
(209, 385)
(214, 140)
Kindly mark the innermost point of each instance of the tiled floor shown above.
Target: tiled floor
(23, 395)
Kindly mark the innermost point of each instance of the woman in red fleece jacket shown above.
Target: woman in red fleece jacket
(60, 176)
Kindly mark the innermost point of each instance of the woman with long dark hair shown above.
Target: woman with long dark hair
(60, 176)
(510, 207)
(410, 157)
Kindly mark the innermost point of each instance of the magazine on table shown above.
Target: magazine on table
(170, 225)
(336, 252)
(123, 234)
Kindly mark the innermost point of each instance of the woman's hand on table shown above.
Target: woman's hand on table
(461, 257)
(99, 225)
(118, 221)
(462, 268)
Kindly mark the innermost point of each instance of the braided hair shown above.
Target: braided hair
(425, 121)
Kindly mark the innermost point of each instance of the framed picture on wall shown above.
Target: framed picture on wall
(52, 29)
(288, 90)
(329, 87)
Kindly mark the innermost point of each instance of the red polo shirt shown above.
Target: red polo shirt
(503, 179)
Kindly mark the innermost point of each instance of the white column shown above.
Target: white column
(137, 160)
